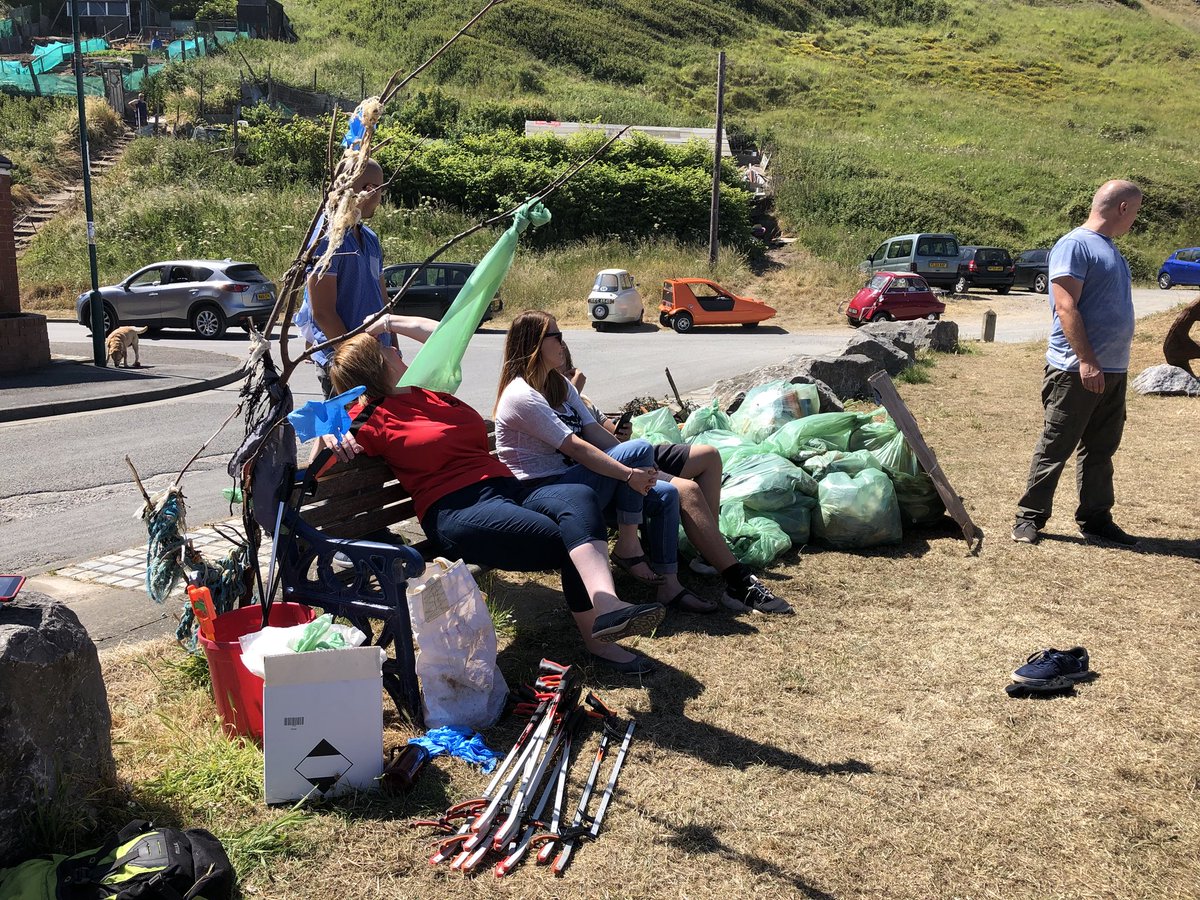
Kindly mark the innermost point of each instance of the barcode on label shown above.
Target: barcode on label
(293, 720)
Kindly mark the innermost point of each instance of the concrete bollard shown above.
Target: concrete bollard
(989, 326)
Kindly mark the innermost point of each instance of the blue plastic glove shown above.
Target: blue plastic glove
(318, 417)
(461, 742)
(355, 131)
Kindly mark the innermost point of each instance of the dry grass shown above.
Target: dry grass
(864, 748)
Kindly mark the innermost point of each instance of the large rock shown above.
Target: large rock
(729, 391)
(1166, 379)
(890, 356)
(55, 726)
(940, 336)
(846, 375)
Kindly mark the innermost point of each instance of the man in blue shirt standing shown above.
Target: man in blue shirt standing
(1083, 392)
(352, 288)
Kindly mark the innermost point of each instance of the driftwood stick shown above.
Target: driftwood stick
(137, 479)
(196, 455)
(675, 391)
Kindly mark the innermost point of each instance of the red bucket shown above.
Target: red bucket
(238, 692)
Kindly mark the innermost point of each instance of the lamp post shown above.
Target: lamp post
(96, 305)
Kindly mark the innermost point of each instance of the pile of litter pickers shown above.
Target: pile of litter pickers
(524, 808)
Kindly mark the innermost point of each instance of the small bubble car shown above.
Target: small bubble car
(615, 300)
(687, 302)
(890, 296)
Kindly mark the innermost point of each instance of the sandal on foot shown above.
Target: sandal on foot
(628, 562)
(639, 665)
(623, 623)
(689, 602)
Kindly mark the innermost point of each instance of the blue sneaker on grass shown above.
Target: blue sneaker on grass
(1047, 667)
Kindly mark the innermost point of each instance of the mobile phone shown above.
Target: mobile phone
(624, 420)
(10, 586)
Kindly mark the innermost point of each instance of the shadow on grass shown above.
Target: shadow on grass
(668, 689)
(1146, 546)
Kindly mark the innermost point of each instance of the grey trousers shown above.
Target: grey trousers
(1076, 418)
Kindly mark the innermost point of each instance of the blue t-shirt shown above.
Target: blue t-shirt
(1105, 303)
(358, 267)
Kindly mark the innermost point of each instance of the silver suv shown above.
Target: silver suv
(206, 295)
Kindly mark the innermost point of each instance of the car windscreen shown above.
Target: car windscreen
(992, 255)
(879, 282)
(606, 283)
(937, 246)
(246, 273)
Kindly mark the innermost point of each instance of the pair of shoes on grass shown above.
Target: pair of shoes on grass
(1026, 532)
(756, 596)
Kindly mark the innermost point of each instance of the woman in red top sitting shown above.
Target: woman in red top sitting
(469, 503)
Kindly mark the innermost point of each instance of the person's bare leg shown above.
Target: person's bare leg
(591, 561)
(630, 545)
(704, 467)
(700, 524)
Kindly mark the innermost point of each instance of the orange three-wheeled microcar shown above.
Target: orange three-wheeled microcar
(696, 301)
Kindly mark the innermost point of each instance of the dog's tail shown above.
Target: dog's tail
(143, 329)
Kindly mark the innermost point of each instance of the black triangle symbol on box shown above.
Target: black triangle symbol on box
(323, 784)
(324, 748)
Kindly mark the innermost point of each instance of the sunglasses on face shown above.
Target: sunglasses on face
(555, 334)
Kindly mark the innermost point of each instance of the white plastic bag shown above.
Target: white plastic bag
(456, 648)
(273, 641)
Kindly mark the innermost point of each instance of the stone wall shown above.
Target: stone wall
(24, 342)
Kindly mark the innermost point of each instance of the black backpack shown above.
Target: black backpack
(140, 861)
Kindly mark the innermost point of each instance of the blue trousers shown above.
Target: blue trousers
(658, 511)
(503, 523)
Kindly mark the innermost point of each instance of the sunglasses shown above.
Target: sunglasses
(555, 334)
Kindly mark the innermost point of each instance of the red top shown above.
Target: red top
(433, 442)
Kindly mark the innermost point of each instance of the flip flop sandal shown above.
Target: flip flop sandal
(628, 562)
(627, 622)
(693, 605)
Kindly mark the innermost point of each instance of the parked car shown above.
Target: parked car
(433, 290)
(205, 295)
(989, 267)
(615, 300)
(932, 256)
(892, 296)
(1181, 267)
(1032, 270)
(687, 302)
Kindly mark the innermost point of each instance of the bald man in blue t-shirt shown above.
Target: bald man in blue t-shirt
(1087, 360)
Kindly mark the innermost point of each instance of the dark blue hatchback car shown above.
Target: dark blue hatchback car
(1181, 267)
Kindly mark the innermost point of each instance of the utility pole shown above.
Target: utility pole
(714, 213)
(97, 307)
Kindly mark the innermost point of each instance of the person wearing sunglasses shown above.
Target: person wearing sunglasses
(545, 435)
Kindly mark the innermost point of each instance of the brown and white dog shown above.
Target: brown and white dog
(120, 342)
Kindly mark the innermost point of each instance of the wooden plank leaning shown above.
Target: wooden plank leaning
(885, 394)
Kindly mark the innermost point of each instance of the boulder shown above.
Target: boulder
(891, 357)
(940, 336)
(1164, 379)
(846, 375)
(55, 725)
(730, 391)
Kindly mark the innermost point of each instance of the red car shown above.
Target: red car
(889, 296)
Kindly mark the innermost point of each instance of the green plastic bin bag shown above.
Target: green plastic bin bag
(769, 406)
(706, 418)
(657, 426)
(755, 541)
(438, 364)
(873, 433)
(837, 461)
(796, 520)
(857, 511)
(766, 481)
(832, 429)
(726, 443)
(920, 503)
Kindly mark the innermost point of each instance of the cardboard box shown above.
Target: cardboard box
(322, 722)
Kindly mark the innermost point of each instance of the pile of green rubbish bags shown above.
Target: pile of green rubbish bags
(847, 480)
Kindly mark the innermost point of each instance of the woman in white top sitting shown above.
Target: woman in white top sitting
(544, 432)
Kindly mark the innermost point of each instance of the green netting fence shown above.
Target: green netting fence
(6, 28)
(49, 57)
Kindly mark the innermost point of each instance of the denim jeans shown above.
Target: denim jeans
(1076, 418)
(504, 524)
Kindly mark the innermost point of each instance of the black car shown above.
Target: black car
(989, 267)
(433, 290)
(1033, 270)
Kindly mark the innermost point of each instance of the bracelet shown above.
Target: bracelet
(387, 325)
(630, 475)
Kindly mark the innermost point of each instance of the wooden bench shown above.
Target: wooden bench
(335, 515)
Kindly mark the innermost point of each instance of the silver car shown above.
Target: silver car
(206, 295)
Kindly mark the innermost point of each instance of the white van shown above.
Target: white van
(615, 300)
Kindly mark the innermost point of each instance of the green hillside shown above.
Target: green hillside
(995, 120)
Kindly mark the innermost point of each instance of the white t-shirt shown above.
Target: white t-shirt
(529, 432)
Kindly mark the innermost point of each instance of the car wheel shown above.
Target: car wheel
(1164, 281)
(664, 320)
(1041, 284)
(600, 326)
(682, 322)
(749, 324)
(208, 321)
(883, 317)
(933, 317)
(1004, 290)
(961, 286)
